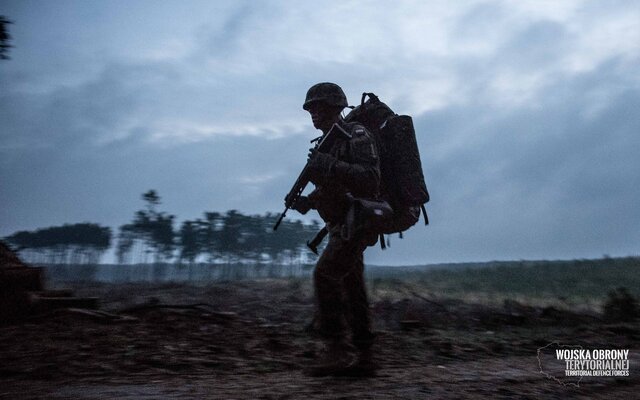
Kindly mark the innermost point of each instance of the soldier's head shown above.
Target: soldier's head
(325, 101)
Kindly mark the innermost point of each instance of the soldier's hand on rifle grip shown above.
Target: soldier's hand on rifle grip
(302, 205)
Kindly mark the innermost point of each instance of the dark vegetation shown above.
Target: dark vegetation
(82, 243)
(621, 305)
(5, 38)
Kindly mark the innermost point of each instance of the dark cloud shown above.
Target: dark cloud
(80, 116)
(536, 45)
(225, 40)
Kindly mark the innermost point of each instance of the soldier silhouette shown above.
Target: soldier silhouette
(350, 169)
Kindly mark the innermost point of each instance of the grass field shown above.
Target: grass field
(576, 283)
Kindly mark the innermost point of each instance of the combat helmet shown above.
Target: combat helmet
(326, 92)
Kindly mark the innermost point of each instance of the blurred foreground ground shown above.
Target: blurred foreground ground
(247, 340)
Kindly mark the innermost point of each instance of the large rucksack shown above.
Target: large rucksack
(402, 184)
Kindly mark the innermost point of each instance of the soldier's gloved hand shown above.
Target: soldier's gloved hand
(320, 165)
(302, 205)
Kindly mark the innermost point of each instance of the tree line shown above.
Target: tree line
(152, 236)
(83, 243)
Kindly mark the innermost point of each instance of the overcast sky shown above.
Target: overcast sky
(527, 113)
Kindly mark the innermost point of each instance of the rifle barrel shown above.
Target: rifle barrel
(280, 219)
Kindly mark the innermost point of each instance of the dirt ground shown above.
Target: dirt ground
(250, 340)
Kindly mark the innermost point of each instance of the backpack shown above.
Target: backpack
(402, 180)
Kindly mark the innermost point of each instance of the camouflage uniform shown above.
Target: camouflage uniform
(338, 277)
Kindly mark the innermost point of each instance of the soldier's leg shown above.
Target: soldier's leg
(356, 295)
(329, 291)
(328, 280)
(360, 319)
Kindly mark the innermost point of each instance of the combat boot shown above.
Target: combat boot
(365, 365)
(336, 360)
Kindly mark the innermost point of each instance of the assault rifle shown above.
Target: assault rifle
(323, 145)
